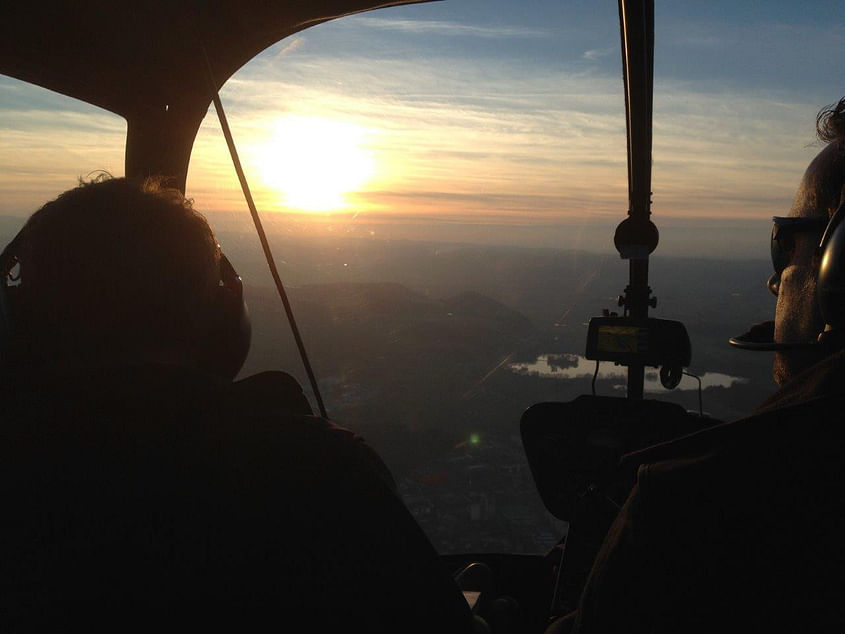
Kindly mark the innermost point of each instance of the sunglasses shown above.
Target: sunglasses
(783, 237)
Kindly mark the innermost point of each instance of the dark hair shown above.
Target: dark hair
(830, 123)
(116, 265)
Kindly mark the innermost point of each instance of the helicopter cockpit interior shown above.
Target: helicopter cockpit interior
(508, 267)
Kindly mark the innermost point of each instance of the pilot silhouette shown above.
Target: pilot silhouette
(740, 527)
(142, 487)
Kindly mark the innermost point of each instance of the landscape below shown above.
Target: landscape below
(422, 348)
(432, 351)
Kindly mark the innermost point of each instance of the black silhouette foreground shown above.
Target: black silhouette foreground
(142, 488)
(740, 527)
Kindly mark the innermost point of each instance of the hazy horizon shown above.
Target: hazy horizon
(710, 238)
(733, 239)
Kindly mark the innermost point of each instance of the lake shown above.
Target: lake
(574, 366)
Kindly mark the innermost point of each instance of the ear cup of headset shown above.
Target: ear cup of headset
(13, 343)
(10, 337)
(6, 333)
(226, 344)
(830, 283)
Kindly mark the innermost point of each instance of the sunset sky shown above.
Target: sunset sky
(483, 111)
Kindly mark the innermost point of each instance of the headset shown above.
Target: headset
(830, 284)
(226, 346)
(221, 351)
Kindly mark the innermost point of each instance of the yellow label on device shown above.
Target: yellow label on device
(618, 338)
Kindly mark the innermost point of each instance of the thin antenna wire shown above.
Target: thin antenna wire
(595, 375)
(700, 406)
(265, 245)
(613, 502)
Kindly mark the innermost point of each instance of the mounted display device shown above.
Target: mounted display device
(649, 342)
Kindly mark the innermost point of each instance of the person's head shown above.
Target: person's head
(122, 272)
(797, 316)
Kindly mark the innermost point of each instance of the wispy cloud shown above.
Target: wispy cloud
(289, 47)
(532, 143)
(44, 152)
(431, 129)
(473, 136)
(440, 27)
(597, 53)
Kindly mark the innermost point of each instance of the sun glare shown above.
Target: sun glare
(313, 162)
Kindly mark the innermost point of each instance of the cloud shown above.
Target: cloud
(596, 53)
(44, 151)
(441, 27)
(290, 47)
(533, 142)
(470, 136)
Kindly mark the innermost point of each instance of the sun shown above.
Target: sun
(313, 162)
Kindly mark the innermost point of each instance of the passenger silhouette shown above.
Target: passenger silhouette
(740, 527)
(142, 488)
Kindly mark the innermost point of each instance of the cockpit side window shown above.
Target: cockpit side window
(47, 143)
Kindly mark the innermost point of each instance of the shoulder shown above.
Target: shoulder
(781, 435)
(724, 485)
(752, 481)
(273, 404)
(749, 509)
(276, 391)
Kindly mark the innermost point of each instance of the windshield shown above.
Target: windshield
(440, 184)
